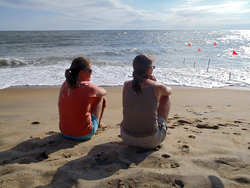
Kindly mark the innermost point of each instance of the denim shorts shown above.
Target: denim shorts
(147, 141)
(95, 125)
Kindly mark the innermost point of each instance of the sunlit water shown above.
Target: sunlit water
(41, 57)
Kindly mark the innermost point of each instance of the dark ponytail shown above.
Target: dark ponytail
(140, 65)
(137, 83)
(72, 78)
(72, 74)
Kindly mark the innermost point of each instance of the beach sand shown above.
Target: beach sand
(208, 143)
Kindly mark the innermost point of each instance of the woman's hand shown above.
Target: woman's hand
(152, 77)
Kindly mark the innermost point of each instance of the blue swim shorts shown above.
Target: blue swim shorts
(95, 125)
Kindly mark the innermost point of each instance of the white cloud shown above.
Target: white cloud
(195, 12)
(112, 14)
(223, 8)
(98, 10)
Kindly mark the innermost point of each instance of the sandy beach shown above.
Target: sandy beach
(208, 143)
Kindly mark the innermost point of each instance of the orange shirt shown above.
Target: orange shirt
(75, 109)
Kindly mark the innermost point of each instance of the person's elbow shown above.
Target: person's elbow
(169, 90)
(101, 92)
(166, 91)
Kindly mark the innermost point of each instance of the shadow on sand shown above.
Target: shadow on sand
(102, 161)
(36, 150)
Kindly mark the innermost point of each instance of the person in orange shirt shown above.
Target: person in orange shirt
(81, 103)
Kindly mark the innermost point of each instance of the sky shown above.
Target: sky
(18, 15)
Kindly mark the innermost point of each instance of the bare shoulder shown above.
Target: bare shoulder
(160, 85)
(165, 90)
(128, 82)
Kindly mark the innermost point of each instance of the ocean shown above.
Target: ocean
(193, 58)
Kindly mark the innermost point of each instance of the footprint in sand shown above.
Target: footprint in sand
(184, 149)
(66, 155)
(35, 122)
(165, 155)
(198, 114)
(175, 165)
(210, 107)
(242, 180)
(164, 162)
(192, 111)
(236, 133)
(222, 125)
(191, 136)
(109, 161)
(176, 116)
(237, 121)
(178, 183)
(198, 120)
(183, 122)
(207, 126)
(195, 131)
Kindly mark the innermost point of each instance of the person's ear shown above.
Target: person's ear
(82, 72)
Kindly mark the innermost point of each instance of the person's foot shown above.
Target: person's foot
(102, 126)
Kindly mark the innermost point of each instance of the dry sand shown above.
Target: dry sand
(208, 143)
